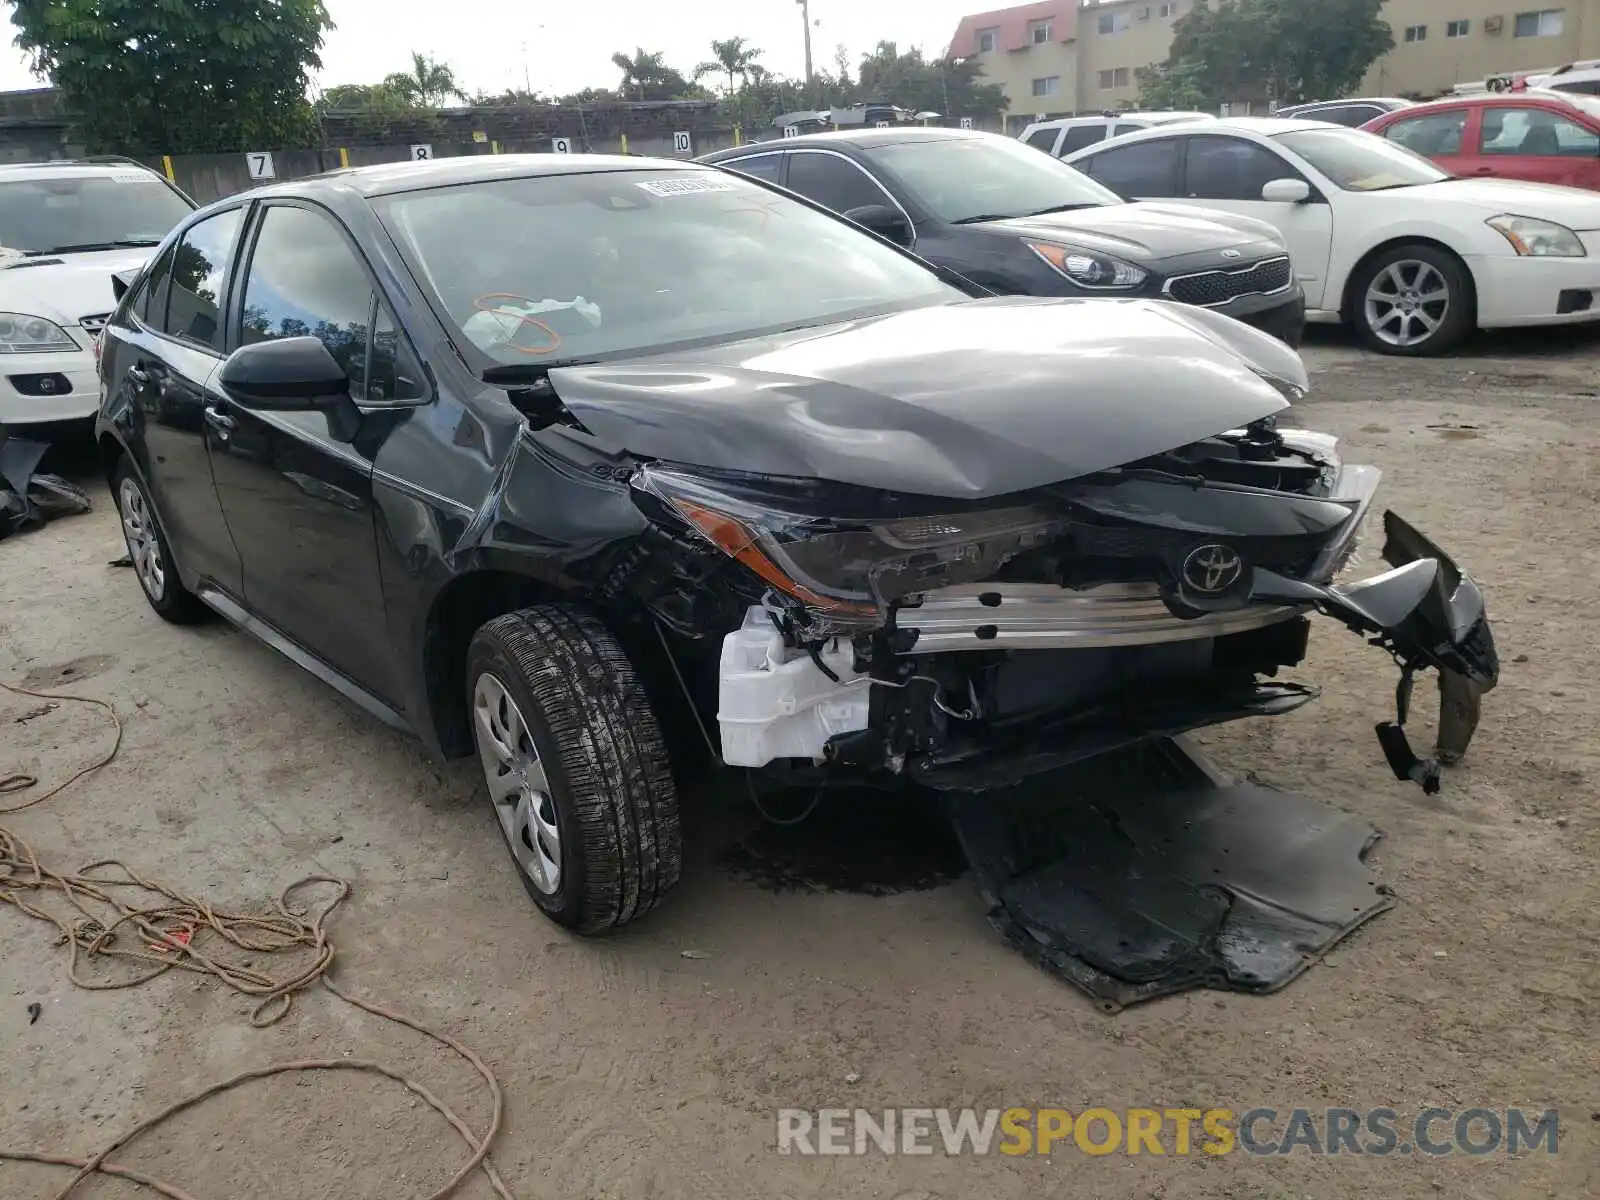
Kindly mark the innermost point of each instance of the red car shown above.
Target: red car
(1543, 136)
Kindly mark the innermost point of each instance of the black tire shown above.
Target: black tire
(1456, 318)
(603, 758)
(163, 588)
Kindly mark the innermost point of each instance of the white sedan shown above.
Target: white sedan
(1410, 256)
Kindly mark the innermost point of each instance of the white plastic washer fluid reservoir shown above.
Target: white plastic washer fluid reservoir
(774, 703)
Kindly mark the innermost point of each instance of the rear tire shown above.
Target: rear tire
(1413, 300)
(575, 765)
(147, 545)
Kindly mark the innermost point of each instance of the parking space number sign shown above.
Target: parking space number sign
(966, 122)
(682, 143)
(421, 153)
(259, 164)
(561, 145)
(791, 131)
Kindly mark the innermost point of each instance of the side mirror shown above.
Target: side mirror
(121, 281)
(1286, 191)
(884, 221)
(292, 375)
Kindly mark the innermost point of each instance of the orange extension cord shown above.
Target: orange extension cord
(178, 924)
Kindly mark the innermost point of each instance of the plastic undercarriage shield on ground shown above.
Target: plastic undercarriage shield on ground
(1144, 872)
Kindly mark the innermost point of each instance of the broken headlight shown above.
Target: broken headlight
(849, 570)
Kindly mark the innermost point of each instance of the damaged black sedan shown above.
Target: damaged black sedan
(599, 468)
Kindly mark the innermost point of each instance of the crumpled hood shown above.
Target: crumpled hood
(1143, 232)
(964, 401)
(67, 289)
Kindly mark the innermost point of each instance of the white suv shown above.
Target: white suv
(65, 229)
(1069, 134)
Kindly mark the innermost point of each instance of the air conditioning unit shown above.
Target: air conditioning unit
(1493, 25)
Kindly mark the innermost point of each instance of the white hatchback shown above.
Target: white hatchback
(65, 230)
(1411, 257)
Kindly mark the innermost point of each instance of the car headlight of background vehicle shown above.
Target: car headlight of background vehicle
(1532, 237)
(848, 571)
(1089, 270)
(24, 334)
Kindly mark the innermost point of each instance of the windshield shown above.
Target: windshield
(985, 178)
(538, 270)
(1584, 103)
(1361, 162)
(53, 216)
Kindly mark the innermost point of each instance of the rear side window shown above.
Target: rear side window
(757, 166)
(1044, 139)
(199, 266)
(1225, 168)
(1533, 131)
(1080, 136)
(150, 305)
(1142, 169)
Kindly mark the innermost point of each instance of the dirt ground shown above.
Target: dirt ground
(633, 1071)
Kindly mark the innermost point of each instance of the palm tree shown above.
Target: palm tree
(733, 57)
(429, 80)
(644, 67)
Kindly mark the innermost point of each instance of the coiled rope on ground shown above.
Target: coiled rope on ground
(114, 912)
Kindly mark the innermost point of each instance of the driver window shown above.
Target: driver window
(832, 181)
(1532, 131)
(305, 280)
(1431, 135)
(1223, 168)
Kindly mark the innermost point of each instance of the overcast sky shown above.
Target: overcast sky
(568, 46)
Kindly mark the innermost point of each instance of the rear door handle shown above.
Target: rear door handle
(139, 375)
(219, 420)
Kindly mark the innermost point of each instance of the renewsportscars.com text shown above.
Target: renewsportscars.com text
(1166, 1131)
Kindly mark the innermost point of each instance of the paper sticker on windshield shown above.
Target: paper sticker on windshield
(687, 185)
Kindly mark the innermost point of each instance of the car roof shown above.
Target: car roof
(69, 169)
(1478, 99)
(389, 178)
(1397, 101)
(1265, 127)
(1164, 115)
(834, 138)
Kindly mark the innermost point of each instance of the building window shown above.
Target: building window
(1458, 29)
(1039, 33)
(1547, 22)
(1167, 10)
(1050, 85)
(987, 39)
(1416, 33)
(1116, 77)
(1115, 22)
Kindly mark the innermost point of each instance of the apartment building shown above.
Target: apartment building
(1056, 58)
(1440, 43)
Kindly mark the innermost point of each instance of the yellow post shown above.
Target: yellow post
(494, 147)
(344, 157)
(738, 135)
(624, 143)
(166, 165)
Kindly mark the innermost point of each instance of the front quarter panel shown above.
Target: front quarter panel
(1363, 221)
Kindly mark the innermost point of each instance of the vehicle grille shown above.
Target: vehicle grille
(1210, 288)
(94, 322)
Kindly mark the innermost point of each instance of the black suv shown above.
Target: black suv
(1024, 223)
(595, 467)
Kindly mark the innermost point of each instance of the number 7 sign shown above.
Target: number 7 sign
(258, 164)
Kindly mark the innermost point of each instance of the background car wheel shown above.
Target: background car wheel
(1412, 300)
(152, 558)
(576, 767)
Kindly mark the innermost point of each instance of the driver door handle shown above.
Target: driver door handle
(219, 420)
(139, 375)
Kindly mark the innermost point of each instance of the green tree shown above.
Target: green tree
(950, 86)
(178, 76)
(646, 76)
(427, 83)
(1180, 88)
(1284, 50)
(734, 57)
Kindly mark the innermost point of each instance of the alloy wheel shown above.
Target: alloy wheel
(138, 529)
(1407, 302)
(518, 785)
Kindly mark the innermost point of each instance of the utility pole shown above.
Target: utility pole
(805, 16)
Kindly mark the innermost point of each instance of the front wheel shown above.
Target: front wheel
(576, 766)
(1412, 300)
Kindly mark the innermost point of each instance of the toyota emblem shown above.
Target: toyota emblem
(1212, 569)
